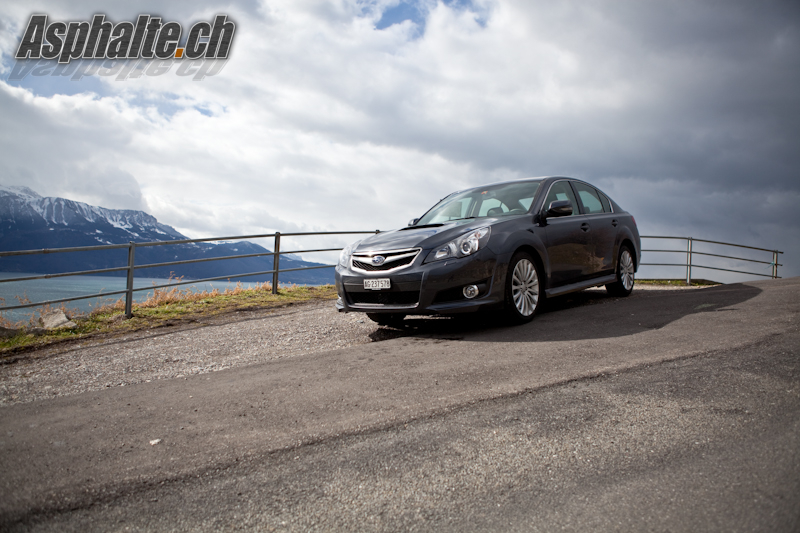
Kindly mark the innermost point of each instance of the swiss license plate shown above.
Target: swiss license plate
(377, 284)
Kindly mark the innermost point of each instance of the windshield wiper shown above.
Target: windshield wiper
(438, 224)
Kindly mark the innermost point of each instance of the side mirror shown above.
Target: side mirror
(559, 208)
(413, 222)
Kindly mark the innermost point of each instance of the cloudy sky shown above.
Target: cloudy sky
(356, 114)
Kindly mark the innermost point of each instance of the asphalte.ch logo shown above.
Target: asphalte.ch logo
(125, 49)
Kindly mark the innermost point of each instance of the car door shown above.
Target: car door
(567, 238)
(602, 228)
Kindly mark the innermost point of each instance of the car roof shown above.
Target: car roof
(508, 182)
(541, 179)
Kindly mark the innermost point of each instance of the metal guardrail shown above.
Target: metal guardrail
(690, 253)
(131, 266)
(276, 253)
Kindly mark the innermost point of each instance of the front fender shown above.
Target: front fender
(506, 243)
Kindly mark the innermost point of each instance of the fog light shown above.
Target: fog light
(471, 291)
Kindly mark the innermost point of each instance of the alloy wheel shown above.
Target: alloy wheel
(525, 287)
(626, 270)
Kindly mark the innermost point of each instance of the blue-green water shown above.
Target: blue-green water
(67, 287)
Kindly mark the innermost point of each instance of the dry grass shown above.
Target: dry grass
(33, 321)
(166, 296)
(163, 307)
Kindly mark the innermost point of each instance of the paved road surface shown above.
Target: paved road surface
(674, 411)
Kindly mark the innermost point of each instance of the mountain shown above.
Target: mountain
(29, 221)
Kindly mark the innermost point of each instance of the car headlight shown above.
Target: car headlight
(344, 256)
(467, 244)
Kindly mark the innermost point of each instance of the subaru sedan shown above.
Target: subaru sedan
(504, 247)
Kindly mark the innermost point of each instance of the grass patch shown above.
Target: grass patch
(165, 307)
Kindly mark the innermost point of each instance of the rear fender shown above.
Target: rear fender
(626, 234)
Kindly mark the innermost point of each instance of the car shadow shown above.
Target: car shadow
(591, 314)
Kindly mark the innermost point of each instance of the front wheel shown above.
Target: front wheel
(625, 274)
(524, 292)
(394, 320)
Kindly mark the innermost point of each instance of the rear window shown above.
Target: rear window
(589, 198)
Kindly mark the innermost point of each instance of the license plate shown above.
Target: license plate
(377, 284)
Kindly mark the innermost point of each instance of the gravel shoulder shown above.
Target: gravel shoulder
(217, 343)
(234, 340)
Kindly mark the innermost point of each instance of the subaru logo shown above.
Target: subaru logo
(378, 260)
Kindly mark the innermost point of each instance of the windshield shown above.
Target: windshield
(489, 201)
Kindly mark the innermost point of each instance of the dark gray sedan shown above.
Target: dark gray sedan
(502, 246)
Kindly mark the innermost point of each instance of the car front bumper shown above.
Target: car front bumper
(424, 288)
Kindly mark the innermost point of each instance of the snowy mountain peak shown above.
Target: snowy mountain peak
(29, 221)
(23, 206)
(18, 190)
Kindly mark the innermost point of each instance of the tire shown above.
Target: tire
(524, 288)
(394, 320)
(625, 274)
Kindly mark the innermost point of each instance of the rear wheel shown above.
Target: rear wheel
(394, 320)
(524, 292)
(625, 274)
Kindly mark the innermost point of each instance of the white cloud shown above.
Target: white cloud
(320, 121)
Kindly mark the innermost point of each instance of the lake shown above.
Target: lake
(67, 287)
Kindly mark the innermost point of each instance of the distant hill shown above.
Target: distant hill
(29, 221)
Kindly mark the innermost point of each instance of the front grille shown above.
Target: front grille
(404, 298)
(384, 267)
(393, 260)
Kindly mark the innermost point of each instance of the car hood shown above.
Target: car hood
(428, 236)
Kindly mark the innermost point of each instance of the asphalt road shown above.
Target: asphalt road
(671, 411)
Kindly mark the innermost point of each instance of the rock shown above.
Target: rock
(7, 333)
(56, 320)
(36, 331)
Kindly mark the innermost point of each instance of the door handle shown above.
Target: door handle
(585, 226)
(614, 222)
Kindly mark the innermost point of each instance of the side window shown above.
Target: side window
(561, 191)
(589, 198)
(605, 202)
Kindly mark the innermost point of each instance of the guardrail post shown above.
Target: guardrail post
(689, 261)
(129, 287)
(775, 264)
(276, 261)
